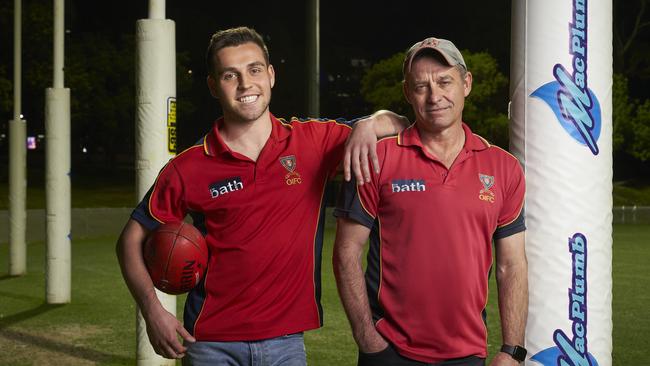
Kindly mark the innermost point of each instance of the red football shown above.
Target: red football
(176, 256)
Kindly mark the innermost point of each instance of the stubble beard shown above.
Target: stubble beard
(248, 117)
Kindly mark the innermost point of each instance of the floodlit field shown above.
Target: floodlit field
(98, 327)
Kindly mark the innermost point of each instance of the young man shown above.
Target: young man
(442, 196)
(256, 185)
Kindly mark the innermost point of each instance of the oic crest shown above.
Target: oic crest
(488, 182)
(289, 163)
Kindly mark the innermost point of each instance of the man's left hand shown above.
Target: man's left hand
(360, 146)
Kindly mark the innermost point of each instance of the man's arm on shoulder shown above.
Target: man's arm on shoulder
(162, 326)
(348, 250)
(387, 123)
(362, 143)
(512, 283)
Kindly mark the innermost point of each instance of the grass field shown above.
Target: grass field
(98, 326)
(631, 297)
(119, 192)
(84, 196)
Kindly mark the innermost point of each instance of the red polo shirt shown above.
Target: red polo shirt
(264, 221)
(431, 244)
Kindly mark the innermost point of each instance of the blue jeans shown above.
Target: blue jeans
(287, 350)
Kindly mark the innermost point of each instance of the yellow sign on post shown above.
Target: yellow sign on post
(171, 125)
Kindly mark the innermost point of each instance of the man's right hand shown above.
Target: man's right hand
(163, 330)
(371, 342)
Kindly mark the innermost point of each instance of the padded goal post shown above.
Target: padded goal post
(561, 130)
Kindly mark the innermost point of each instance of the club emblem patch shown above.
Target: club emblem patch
(289, 163)
(488, 182)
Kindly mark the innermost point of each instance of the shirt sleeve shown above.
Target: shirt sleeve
(164, 202)
(511, 218)
(349, 205)
(329, 135)
(359, 202)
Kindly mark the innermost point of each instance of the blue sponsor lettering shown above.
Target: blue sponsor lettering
(569, 96)
(574, 350)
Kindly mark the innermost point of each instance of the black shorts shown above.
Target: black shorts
(390, 357)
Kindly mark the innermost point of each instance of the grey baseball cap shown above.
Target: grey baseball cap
(444, 47)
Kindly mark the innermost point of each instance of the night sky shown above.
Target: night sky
(366, 30)
(361, 30)
(349, 30)
(369, 31)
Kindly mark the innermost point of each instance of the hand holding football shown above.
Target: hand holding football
(176, 256)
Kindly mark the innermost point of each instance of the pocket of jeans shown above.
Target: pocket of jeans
(374, 354)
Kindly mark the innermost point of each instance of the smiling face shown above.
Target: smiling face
(436, 92)
(242, 82)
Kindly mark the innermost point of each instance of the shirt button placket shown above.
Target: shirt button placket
(444, 176)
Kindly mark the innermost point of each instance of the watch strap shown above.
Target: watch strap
(516, 352)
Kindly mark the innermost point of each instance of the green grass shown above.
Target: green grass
(626, 195)
(630, 298)
(99, 186)
(81, 196)
(98, 326)
(94, 192)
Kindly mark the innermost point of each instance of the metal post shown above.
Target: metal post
(17, 162)
(313, 59)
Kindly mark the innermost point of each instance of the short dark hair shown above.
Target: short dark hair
(233, 37)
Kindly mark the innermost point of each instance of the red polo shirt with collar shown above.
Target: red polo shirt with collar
(431, 241)
(264, 223)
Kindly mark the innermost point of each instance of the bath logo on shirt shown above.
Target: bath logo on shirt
(226, 186)
(408, 185)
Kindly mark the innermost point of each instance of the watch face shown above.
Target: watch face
(519, 353)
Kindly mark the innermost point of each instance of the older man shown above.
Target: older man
(443, 194)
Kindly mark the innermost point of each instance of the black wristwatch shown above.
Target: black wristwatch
(517, 352)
